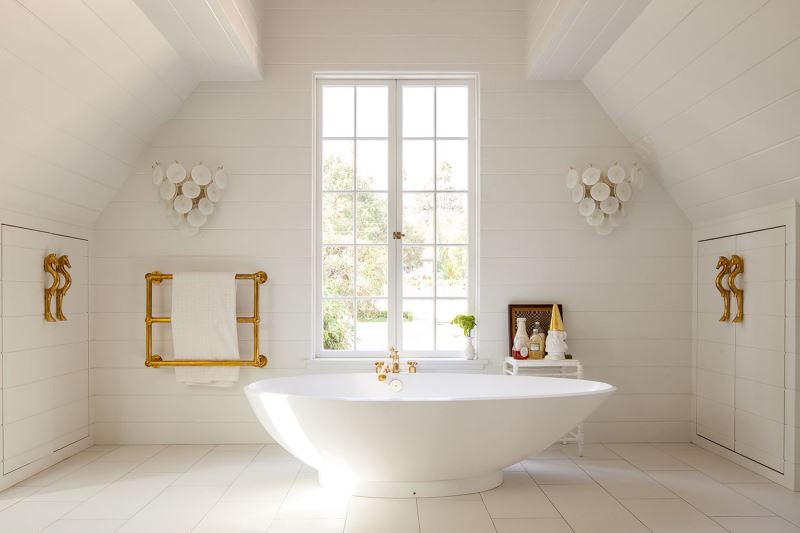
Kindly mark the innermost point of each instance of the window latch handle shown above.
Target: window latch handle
(398, 235)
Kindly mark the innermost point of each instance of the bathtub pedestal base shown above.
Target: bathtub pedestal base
(413, 489)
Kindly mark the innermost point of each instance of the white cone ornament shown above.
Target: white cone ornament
(555, 343)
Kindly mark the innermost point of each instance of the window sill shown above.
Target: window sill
(430, 364)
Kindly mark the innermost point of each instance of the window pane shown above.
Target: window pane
(337, 111)
(372, 217)
(418, 217)
(448, 336)
(337, 165)
(417, 111)
(372, 266)
(451, 271)
(337, 218)
(452, 112)
(417, 271)
(418, 324)
(372, 111)
(372, 329)
(337, 271)
(372, 165)
(418, 165)
(452, 218)
(452, 165)
(337, 324)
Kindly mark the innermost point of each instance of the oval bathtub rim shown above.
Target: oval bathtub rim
(250, 389)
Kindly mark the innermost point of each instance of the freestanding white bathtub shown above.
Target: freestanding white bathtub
(441, 435)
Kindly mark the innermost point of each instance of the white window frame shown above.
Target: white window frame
(394, 82)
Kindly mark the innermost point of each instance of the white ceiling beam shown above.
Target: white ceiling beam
(218, 38)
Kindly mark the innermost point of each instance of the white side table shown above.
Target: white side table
(567, 368)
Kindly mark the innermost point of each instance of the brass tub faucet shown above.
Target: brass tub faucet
(383, 368)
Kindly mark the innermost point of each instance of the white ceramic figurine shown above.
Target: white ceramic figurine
(555, 343)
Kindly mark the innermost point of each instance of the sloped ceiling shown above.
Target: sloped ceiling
(85, 83)
(708, 93)
(565, 38)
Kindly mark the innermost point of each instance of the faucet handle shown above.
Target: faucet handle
(412, 367)
(378, 365)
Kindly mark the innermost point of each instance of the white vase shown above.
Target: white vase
(469, 349)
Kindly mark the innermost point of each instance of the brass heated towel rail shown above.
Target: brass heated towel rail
(155, 360)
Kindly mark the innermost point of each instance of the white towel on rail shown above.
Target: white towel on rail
(204, 326)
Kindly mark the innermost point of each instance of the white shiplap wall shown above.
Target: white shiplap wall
(626, 298)
(83, 85)
(709, 92)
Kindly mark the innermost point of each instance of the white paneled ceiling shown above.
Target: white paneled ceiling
(565, 38)
(708, 92)
(83, 86)
(219, 38)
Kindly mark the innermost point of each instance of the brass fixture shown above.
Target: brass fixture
(383, 368)
(63, 265)
(724, 266)
(729, 268)
(737, 267)
(155, 360)
(398, 235)
(51, 267)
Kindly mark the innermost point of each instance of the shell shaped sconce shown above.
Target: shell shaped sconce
(189, 196)
(602, 196)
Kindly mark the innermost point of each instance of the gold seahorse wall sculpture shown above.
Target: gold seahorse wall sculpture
(724, 267)
(737, 267)
(63, 265)
(56, 267)
(51, 267)
(729, 269)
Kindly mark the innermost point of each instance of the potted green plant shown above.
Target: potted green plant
(467, 323)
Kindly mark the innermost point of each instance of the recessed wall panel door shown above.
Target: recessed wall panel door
(760, 348)
(716, 349)
(44, 364)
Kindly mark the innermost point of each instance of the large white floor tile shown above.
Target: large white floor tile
(367, 515)
(590, 509)
(671, 516)
(437, 516)
(518, 497)
(124, 497)
(175, 458)
(15, 494)
(623, 480)
(709, 496)
(135, 454)
(759, 524)
(83, 526)
(555, 472)
(177, 509)
(61, 469)
(711, 464)
(307, 525)
(83, 483)
(27, 516)
(264, 482)
(777, 499)
(648, 457)
(307, 499)
(220, 466)
(531, 525)
(236, 517)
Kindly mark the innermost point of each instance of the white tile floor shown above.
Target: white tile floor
(615, 488)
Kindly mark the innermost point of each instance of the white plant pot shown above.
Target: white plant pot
(469, 348)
